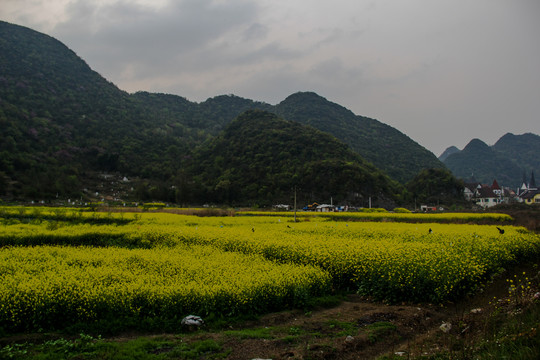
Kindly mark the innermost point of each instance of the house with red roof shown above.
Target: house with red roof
(487, 195)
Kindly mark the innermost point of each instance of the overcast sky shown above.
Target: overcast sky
(441, 71)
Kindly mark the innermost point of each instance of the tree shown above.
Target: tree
(435, 185)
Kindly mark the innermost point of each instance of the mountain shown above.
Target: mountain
(59, 120)
(373, 140)
(63, 126)
(449, 151)
(260, 156)
(436, 186)
(523, 149)
(506, 161)
(384, 146)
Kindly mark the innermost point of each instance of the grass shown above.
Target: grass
(379, 330)
(258, 333)
(87, 347)
(508, 329)
(513, 335)
(345, 328)
(325, 301)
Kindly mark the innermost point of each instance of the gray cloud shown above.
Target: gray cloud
(255, 32)
(441, 71)
(122, 35)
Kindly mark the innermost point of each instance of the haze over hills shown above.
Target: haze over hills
(510, 159)
(61, 123)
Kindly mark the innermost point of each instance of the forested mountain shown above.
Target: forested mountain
(260, 156)
(61, 124)
(449, 151)
(59, 119)
(523, 149)
(436, 186)
(507, 161)
(381, 144)
(387, 148)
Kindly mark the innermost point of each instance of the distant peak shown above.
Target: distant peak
(508, 135)
(510, 139)
(449, 151)
(313, 102)
(303, 95)
(476, 144)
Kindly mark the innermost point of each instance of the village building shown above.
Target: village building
(426, 208)
(325, 208)
(487, 196)
(282, 207)
(468, 192)
(528, 192)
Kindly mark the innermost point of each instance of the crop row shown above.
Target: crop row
(235, 264)
(473, 218)
(392, 261)
(17, 214)
(54, 286)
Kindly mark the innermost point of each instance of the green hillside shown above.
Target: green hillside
(506, 161)
(63, 126)
(60, 120)
(523, 149)
(384, 146)
(449, 151)
(261, 158)
(481, 161)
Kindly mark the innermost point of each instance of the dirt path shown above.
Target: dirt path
(360, 329)
(357, 328)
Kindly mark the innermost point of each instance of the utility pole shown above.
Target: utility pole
(295, 203)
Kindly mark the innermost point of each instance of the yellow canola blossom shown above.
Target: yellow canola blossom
(51, 285)
(383, 215)
(389, 260)
(392, 261)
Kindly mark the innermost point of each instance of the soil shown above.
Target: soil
(362, 329)
(324, 333)
(524, 215)
(359, 328)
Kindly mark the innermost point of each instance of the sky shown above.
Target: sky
(441, 71)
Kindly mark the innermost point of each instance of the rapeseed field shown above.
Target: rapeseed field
(59, 267)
